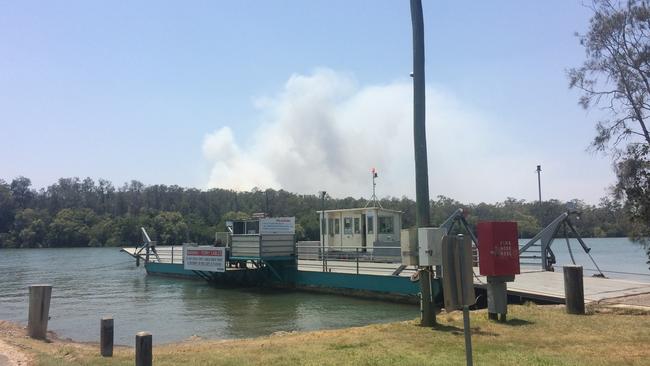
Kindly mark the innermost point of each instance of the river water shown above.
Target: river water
(610, 254)
(89, 283)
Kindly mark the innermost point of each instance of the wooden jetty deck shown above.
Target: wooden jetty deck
(549, 286)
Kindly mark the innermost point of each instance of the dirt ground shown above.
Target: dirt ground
(639, 301)
(11, 354)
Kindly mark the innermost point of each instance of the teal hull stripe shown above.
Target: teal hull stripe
(328, 280)
(363, 282)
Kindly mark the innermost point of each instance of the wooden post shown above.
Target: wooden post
(422, 217)
(574, 291)
(39, 310)
(143, 345)
(106, 336)
(427, 311)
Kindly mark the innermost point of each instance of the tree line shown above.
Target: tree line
(77, 213)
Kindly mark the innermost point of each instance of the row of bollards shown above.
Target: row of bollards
(39, 309)
(143, 343)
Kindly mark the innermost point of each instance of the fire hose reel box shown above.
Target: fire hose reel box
(498, 247)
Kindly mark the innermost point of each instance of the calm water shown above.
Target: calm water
(611, 254)
(92, 282)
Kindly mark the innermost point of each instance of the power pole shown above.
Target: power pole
(428, 316)
(539, 183)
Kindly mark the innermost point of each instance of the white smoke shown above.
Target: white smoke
(325, 132)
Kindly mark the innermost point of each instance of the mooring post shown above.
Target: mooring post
(427, 311)
(106, 336)
(39, 310)
(574, 291)
(143, 344)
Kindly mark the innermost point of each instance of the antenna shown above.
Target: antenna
(539, 183)
(374, 199)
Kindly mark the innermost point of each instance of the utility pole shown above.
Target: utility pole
(539, 183)
(428, 316)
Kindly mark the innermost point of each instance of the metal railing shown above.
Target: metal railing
(171, 254)
(349, 259)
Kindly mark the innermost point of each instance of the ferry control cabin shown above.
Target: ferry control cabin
(372, 230)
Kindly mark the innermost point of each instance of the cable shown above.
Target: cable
(568, 245)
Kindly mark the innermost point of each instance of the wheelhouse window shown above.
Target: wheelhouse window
(331, 227)
(386, 225)
(337, 226)
(371, 224)
(357, 225)
(347, 225)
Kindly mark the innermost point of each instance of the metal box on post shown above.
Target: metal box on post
(430, 245)
(409, 246)
(457, 275)
(498, 248)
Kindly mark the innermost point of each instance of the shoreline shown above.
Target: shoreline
(534, 334)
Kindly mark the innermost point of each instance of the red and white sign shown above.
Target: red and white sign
(498, 248)
(204, 258)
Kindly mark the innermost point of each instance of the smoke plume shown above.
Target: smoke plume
(323, 131)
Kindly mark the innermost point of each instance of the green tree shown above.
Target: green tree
(30, 227)
(21, 191)
(170, 228)
(616, 77)
(71, 227)
(7, 208)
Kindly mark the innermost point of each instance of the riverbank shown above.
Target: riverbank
(534, 335)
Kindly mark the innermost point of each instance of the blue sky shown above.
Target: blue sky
(177, 92)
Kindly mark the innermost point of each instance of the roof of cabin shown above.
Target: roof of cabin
(360, 209)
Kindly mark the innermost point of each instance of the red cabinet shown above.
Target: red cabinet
(498, 248)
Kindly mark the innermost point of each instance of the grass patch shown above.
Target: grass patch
(534, 335)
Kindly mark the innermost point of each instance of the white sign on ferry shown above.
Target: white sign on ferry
(278, 225)
(204, 258)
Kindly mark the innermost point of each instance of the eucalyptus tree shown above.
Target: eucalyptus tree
(615, 77)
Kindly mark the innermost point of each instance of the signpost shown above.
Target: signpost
(458, 284)
(204, 258)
